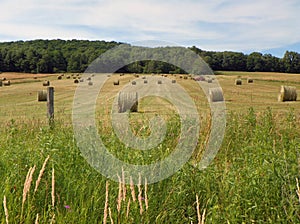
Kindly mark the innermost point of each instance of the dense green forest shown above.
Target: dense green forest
(53, 56)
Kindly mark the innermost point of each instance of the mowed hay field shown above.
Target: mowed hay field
(252, 179)
(20, 99)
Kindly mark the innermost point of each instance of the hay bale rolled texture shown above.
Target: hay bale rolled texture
(238, 82)
(145, 81)
(133, 83)
(46, 83)
(159, 82)
(250, 80)
(76, 81)
(90, 83)
(128, 101)
(6, 83)
(287, 93)
(116, 83)
(59, 77)
(216, 94)
(42, 96)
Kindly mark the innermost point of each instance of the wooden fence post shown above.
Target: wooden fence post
(50, 105)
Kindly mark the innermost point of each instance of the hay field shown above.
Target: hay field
(253, 178)
(19, 101)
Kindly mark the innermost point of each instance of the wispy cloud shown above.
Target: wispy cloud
(212, 24)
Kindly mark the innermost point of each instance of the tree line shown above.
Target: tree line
(57, 56)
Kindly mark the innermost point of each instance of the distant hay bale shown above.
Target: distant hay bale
(133, 83)
(81, 80)
(287, 93)
(159, 82)
(250, 80)
(238, 82)
(122, 74)
(136, 75)
(173, 81)
(6, 83)
(76, 81)
(180, 76)
(108, 75)
(116, 83)
(128, 101)
(90, 83)
(145, 81)
(59, 77)
(42, 95)
(209, 80)
(46, 83)
(3, 79)
(34, 77)
(165, 75)
(216, 94)
(1, 83)
(68, 77)
(89, 79)
(185, 77)
(144, 77)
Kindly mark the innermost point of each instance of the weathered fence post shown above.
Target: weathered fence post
(50, 105)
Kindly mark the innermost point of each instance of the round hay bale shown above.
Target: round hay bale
(34, 77)
(122, 74)
(42, 95)
(1, 83)
(185, 77)
(133, 83)
(81, 80)
(46, 83)
(238, 82)
(209, 80)
(128, 101)
(6, 83)
(136, 75)
(287, 93)
(3, 79)
(216, 94)
(90, 83)
(159, 82)
(144, 77)
(59, 77)
(250, 80)
(173, 81)
(180, 76)
(68, 77)
(145, 81)
(116, 83)
(76, 81)
(89, 79)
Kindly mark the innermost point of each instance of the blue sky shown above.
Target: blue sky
(268, 26)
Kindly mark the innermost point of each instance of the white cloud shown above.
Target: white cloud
(213, 24)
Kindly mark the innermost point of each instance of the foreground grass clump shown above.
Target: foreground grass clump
(252, 179)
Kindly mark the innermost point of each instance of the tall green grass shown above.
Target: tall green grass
(251, 180)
